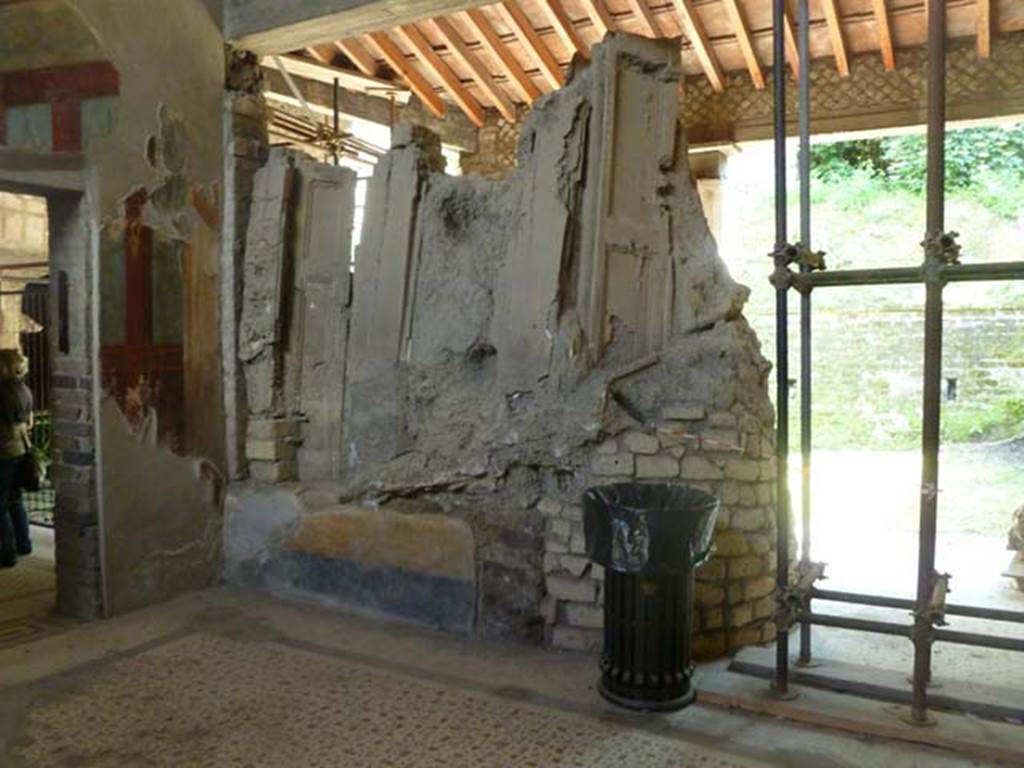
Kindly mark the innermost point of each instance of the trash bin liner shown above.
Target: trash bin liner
(649, 538)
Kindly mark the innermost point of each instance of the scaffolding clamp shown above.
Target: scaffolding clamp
(796, 598)
(783, 255)
(934, 613)
(942, 247)
(812, 260)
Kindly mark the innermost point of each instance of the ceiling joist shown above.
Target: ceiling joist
(642, 12)
(884, 35)
(739, 25)
(599, 16)
(985, 28)
(694, 31)
(425, 52)
(356, 53)
(393, 55)
(564, 28)
(514, 17)
(507, 63)
(460, 51)
(835, 33)
(789, 36)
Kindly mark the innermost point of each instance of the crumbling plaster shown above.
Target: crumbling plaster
(513, 341)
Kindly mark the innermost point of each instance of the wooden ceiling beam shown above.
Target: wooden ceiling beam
(564, 27)
(599, 16)
(425, 52)
(507, 63)
(418, 84)
(985, 28)
(643, 14)
(835, 32)
(884, 35)
(314, 52)
(792, 49)
(356, 52)
(739, 25)
(519, 22)
(459, 50)
(698, 38)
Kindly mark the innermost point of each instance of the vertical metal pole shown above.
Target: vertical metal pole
(932, 357)
(337, 123)
(805, 309)
(781, 682)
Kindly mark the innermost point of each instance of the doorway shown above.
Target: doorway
(28, 591)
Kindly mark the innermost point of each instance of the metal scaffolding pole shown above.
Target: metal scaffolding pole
(782, 257)
(805, 310)
(927, 578)
(939, 267)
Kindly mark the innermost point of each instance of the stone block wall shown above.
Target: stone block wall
(725, 453)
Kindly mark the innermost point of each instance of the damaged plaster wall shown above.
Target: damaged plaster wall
(513, 341)
(502, 330)
(154, 181)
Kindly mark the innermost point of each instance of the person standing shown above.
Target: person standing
(15, 425)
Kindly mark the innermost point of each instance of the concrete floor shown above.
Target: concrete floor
(226, 678)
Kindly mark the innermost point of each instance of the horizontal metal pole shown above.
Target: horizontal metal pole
(981, 641)
(881, 601)
(857, 598)
(1003, 270)
(953, 273)
(848, 622)
(902, 630)
(850, 277)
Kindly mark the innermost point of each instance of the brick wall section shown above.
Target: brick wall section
(76, 518)
(497, 147)
(722, 453)
(246, 147)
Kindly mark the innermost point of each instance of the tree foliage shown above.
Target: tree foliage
(902, 160)
(984, 163)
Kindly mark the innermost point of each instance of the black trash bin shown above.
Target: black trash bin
(650, 538)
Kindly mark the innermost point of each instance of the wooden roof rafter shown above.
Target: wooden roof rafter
(424, 51)
(393, 55)
(884, 34)
(520, 23)
(565, 28)
(642, 12)
(507, 63)
(835, 33)
(458, 48)
(789, 37)
(599, 16)
(698, 38)
(984, 25)
(356, 52)
(739, 25)
(504, 55)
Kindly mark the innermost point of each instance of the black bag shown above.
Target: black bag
(30, 472)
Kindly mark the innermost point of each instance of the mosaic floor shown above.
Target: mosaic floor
(207, 700)
(26, 601)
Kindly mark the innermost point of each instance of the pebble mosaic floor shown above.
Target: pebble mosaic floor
(210, 700)
(27, 594)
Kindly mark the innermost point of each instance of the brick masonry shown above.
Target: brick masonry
(76, 516)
